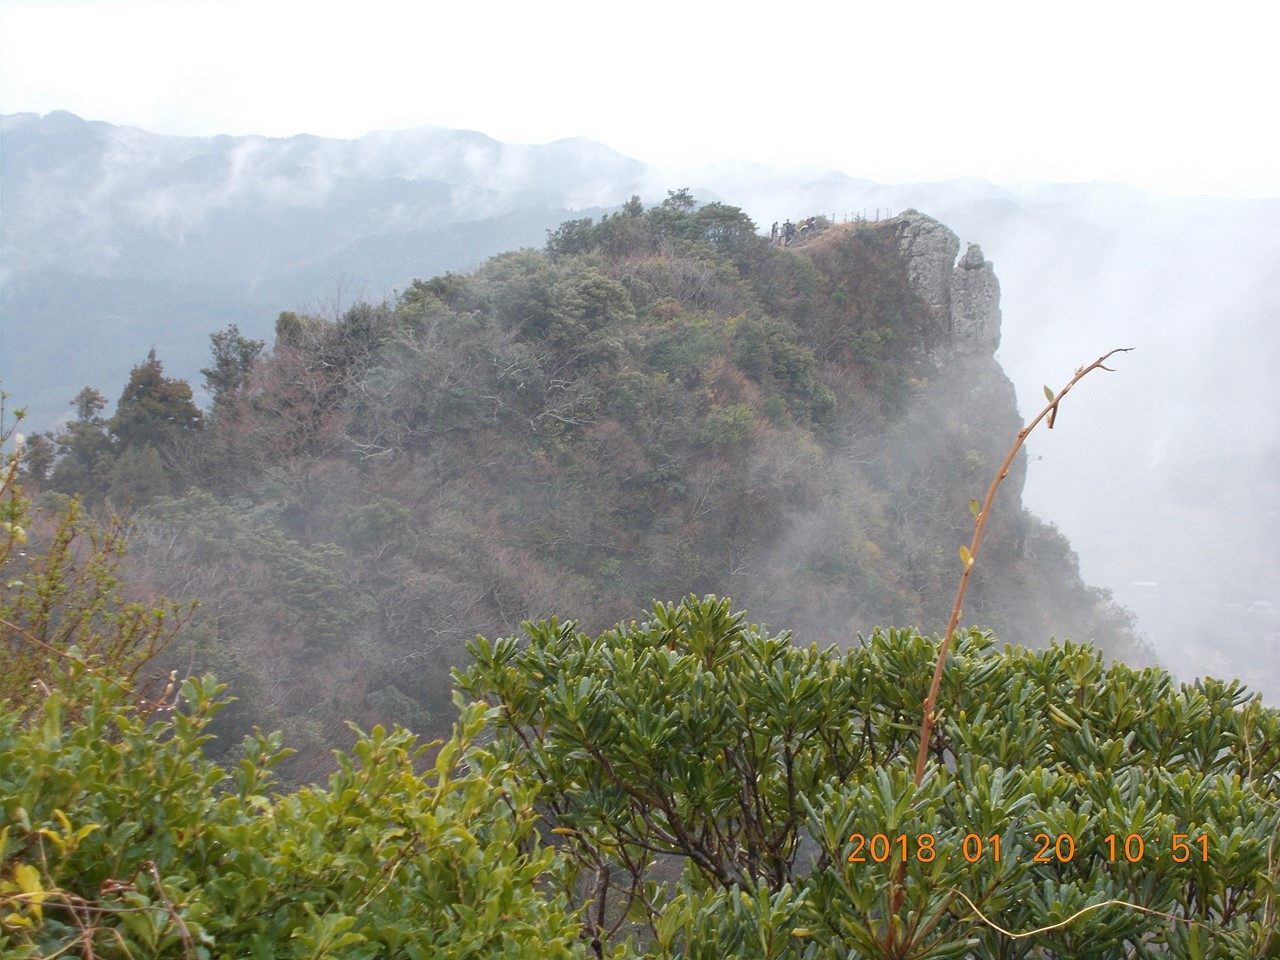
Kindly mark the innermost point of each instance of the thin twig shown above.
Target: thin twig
(162, 705)
(187, 943)
(970, 556)
(1075, 916)
(980, 523)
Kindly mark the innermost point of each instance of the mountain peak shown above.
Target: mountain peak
(963, 295)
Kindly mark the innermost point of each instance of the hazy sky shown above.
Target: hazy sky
(1174, 97)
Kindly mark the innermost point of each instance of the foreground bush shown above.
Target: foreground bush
(716, 791)
(772, 786)
(122, 840)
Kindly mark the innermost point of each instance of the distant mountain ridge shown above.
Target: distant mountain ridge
(134, 238)
(65, 173)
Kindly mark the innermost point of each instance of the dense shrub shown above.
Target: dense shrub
(771, 784)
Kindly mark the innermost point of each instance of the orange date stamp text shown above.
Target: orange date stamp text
(1045, 848)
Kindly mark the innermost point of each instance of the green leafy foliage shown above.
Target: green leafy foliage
(62, 606)
(122, 840)
(233, 358)
(83, 446)
(707, 788)
(140, 452)
(153, 409)
(725, 792)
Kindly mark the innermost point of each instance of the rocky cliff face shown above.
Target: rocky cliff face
(971, 400)
(975, 304)
(893, 308)
(964, 295)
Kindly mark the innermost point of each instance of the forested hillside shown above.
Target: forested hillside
(657, 404)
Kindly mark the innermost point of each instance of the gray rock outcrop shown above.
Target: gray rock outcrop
(964, 296)
(975, 304)
(930, 249)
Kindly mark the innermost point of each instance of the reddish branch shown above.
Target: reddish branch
(979, 526)
(970, 557)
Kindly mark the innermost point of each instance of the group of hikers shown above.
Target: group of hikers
(788, 232)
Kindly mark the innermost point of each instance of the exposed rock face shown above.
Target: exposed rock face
(975, 304)
(930, 250)
(964, 296)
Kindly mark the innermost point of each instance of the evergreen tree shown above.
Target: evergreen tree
(153, 408)
(233, 358)
(82, 445)
(137, 477)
